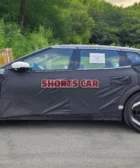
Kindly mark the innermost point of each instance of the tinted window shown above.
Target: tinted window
(52, 59)
(133, 57)
(95, 59)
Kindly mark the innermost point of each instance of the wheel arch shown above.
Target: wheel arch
(129, 93)
(135, 90)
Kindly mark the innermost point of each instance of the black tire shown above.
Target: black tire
(130, 117)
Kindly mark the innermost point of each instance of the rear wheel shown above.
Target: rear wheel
(132, 112)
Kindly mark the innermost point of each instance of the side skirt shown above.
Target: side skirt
(95, 117)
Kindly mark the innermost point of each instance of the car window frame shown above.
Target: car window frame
(118, 51)
(8, 66)
(52, 70)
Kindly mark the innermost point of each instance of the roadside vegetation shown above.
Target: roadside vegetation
(29, 25)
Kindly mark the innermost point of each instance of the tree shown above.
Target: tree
(44, 22)
(22, 13)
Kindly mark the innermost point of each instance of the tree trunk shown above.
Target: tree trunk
(22, 16)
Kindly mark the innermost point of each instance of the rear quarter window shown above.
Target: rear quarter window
(133, 57)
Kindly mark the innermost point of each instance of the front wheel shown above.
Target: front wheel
(132, 112)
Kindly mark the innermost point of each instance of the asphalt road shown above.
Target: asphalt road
(44, 144)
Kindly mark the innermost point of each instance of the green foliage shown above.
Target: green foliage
(67, 21)
(11, 37)
(2, 38)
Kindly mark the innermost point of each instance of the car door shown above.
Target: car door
(106, 76)
(23, 93)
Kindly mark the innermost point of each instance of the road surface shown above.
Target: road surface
(41, 144)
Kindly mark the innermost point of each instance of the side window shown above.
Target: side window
(52, 59)
(97, 59)
(133, 57)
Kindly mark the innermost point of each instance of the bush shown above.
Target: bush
(22, 44)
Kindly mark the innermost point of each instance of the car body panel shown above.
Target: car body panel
(23, 98)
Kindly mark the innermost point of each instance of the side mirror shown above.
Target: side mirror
(20, 66)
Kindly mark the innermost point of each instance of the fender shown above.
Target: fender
(128, 94)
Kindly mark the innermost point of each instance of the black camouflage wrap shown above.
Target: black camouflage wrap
(21, 93)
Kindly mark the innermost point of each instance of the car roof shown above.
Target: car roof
(103, 47)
